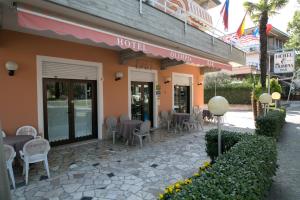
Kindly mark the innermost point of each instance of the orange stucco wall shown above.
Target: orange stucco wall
(18, 100)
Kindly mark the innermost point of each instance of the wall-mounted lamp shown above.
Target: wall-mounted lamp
(199, 82)
(11, 67)
(167, 80)
(119, 76)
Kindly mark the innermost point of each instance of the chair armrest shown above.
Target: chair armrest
(38, 137)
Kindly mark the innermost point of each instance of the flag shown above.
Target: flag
(241, 29)
(255, 33)
(224, 12)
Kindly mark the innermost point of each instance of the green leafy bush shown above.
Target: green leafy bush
(234, 93)
(228, 139)
(271, 124)
(243, 173)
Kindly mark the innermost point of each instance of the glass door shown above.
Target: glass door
(142, 101)
(182, 99)
(70, 110)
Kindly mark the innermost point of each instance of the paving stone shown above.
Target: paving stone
(71, 187)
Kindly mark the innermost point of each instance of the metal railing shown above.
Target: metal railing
(187, 16)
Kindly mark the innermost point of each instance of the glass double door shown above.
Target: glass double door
(70, 110)
(142, 101)
(182, 99)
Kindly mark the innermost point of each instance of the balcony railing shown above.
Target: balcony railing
(190, 13)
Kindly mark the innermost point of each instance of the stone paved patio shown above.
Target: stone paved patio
(104, 171)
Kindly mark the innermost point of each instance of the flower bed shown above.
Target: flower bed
(244, 173)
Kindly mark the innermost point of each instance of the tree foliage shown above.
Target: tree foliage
(294, 31)
(260, 13)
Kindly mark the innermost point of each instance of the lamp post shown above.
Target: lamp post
(276, 96)
(4, 183)
(265, 99)
(218, 106)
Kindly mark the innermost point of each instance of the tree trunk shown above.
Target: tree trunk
(263, 48)
(254, 107)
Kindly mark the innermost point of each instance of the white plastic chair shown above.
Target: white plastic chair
(112, 127)
(35, 151)
(166, 119)
(3, 134)
(124, 117)
(27, 130)
(144, 130)
(10, 155)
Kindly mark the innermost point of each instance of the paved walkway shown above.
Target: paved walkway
(286, 184)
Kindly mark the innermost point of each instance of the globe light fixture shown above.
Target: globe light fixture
(218, 106)
(11, 67)
(265, 99)
(276, 96)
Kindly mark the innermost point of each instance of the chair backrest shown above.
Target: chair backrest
(36, 147)
(145, 127)
(196, 109)
(3, 134)
(9, 152)
(199, 116)
(124, 117)
(27, 130)
(111, 122)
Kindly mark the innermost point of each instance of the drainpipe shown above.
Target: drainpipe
(4, 183)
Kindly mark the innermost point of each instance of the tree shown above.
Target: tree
(260, 13)
(294, 31)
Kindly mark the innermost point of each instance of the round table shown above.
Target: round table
(127, 127)
(17, 141)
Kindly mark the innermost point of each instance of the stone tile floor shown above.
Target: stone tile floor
(100, 170)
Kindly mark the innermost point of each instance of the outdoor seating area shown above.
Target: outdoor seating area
(23, 149)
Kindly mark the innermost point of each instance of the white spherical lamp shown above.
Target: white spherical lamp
(218, 105)
(276, 95)
(265, 98)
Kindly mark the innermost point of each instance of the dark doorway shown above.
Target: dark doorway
(182, 99)
(70, 110)
(142, 101)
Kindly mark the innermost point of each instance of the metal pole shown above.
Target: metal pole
(4, 183)
(269, 74)
(141, 6)
(219, 136)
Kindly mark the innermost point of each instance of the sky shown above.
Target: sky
(237, 12)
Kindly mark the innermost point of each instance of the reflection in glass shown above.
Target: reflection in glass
(82, 101)
(182, 99)
(57, 110)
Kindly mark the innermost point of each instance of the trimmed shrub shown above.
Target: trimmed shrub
(235, 94)
(243, 173)
(271, 124)
(228, 139)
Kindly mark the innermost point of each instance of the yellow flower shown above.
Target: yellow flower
(188, 181)
(196, 174)
(206, 164)
(166, 190)
(177, 190)
(161, 196)
(177, 185)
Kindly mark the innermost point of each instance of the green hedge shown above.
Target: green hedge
(243, 173)
(234, 94)
(271, 124)
(228, 139)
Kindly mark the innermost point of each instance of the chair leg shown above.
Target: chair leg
(141, 141)
(149, 136)
(26, 172)
(47, 167)
(132, 140)
(114, 136)
(12, 177)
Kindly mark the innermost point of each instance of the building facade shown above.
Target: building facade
(80, 62)
(250, 44)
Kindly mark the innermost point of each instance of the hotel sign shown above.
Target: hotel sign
(284, 62)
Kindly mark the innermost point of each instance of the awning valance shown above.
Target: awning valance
(42, 22)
